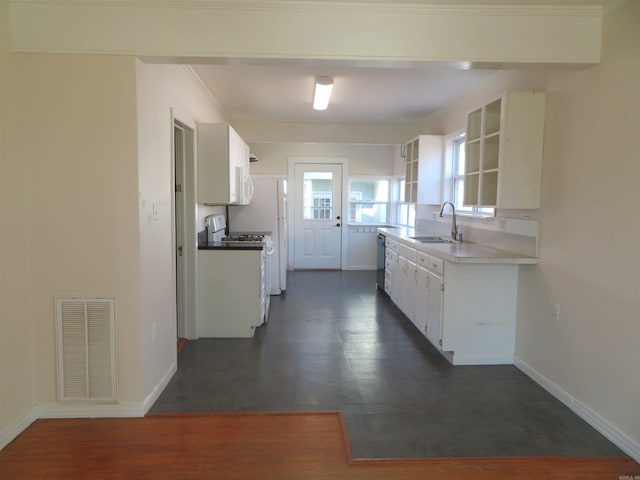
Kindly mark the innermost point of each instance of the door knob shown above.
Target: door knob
(338, 217)
(337, 224)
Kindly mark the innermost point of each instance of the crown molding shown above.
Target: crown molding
(357, 8)
(198, 81)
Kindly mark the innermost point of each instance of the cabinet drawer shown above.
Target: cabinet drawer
(423, 260)
(392, 245)
(436, 264)
(407, 252)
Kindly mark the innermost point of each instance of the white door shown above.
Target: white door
(317, 216)
(179, 160)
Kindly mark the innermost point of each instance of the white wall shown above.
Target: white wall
(77, 115)
(161, 90)
(588, 240)
(363, 159)
(17, 392)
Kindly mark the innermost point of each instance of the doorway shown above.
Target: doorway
(317, 215)
(184, 227)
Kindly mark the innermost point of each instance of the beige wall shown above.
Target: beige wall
(78, 120)
(17, 393)
(161, 91)
(363, 159)
(328, 30)
(588, 239)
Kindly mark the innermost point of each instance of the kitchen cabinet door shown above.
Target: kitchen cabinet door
(222, 165)
(504, 141)
(423, 170)
(421, 299)
(435, 293)
(408, 289)
(402, 282)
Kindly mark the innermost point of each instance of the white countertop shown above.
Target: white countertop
(465, 252)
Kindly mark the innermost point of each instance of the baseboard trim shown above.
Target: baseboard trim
(361, 267)
(611, 432)
(74, 410)
(77, 410)
(160, 386)
(10, 432)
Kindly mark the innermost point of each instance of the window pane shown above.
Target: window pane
(458, 189)
(368, 212)
(412, 215)
(403, 214)
(318, 196)
(369, 190)
(460, 151)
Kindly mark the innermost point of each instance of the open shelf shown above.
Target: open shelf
(474, 125)
(473, 156)
(492, 117)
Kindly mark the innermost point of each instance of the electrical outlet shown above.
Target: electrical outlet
(503, 224)
(556, 312)
(155, 212)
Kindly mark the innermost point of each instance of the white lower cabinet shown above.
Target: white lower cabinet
(232, 298)
(407, 280)
(434, 297)
(391, 275)
(421, 296)
(469, 316)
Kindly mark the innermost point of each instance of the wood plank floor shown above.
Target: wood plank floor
(251, 446)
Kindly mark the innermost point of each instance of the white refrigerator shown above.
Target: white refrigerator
(267, 212)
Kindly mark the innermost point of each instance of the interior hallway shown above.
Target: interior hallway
(335, 343)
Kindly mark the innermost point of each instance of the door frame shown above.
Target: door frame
(186, 326)
(344, 162)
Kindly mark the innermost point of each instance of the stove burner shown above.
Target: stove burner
(243, 237)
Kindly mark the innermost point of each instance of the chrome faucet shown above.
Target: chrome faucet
(455, 235)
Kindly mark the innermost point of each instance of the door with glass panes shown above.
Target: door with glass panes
(317, 216)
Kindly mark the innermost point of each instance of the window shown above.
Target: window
(369, 201)
(457, 180)
(406, 212)
(318, 196)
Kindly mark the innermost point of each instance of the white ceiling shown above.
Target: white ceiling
(283, 91)
(364, 92)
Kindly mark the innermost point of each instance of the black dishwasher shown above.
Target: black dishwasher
(380, 261)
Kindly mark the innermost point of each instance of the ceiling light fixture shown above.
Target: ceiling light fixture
(321, 96)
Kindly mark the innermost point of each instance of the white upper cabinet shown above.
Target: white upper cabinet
(504, 141)
(423, 176)
(222, 166)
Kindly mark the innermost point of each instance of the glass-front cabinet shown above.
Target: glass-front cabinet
(504, 140)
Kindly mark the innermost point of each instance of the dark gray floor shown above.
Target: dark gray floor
(333, 342)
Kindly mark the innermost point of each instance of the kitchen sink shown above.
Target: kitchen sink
(434, 239)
